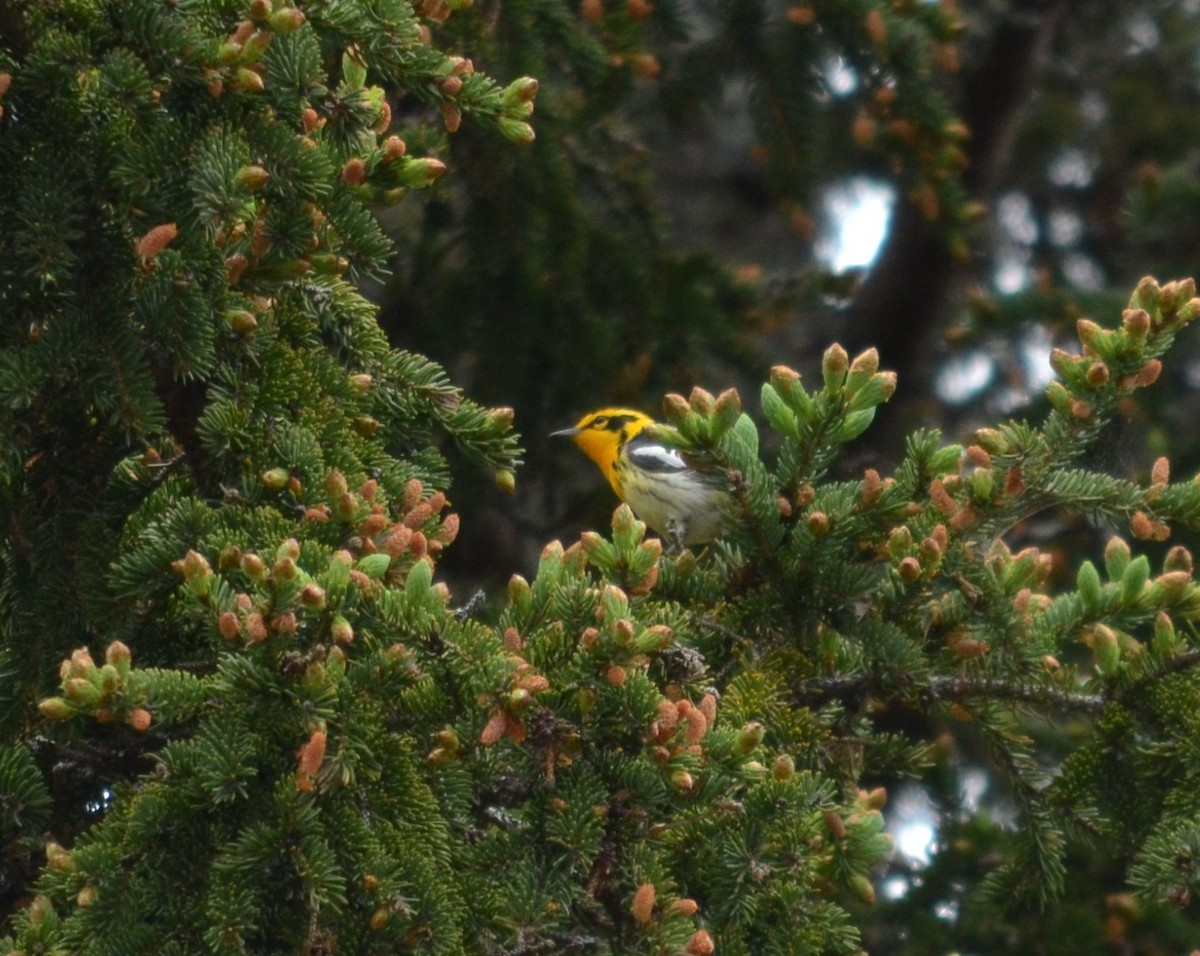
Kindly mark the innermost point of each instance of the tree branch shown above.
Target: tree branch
(954, 687)
(959, 688)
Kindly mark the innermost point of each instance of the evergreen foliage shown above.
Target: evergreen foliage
(242, 715)
(581, 214)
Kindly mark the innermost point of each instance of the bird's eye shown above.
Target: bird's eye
(599, 421)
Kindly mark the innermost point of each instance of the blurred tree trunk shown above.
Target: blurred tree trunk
(909, 295)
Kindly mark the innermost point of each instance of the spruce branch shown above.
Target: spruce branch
(1131, 694)
(848, 688)
(999, 689)
(550, 943)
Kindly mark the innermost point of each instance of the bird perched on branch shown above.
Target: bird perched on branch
(679, 501)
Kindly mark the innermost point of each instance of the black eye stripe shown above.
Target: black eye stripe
(611, 423)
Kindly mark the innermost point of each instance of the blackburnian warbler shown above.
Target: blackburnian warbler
(680, 502)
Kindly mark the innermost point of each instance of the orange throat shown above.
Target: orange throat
(601, 449)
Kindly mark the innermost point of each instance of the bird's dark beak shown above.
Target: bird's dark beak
(565, 433)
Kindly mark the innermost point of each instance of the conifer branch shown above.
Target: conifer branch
(953, 687)
(553, 943)
(1173, 665)
(991, 688)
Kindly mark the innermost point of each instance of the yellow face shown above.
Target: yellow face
(600, 433)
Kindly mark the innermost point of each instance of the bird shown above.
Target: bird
(680, 502)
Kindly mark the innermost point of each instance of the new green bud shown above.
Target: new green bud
(521, 90)
(252, 178)
(1171, 586)
(1106, 648)
(341, 630)
(56, 708)
(246, 80)
(229, 52)
(501, 419)
(81, 691)
(835, 363)
(872, 393)
(287, 20)
(1116, 558)
(982, 483)
(110, 680)
(275, 479)
(1145, 296)
(727, 410)
(1178, 558)
(992, 440)
(676, 408)
(285, 569)
(779, 416)
(899, 542)
(336, 484)
(1135, 324)
(1137, 573)
(419, 173)
(506, 480)
(354, 73)
(785, 380)
(862, 888)
(1059, 397)
(1166, 641)
(374, 566)
(1188, 311)
(750, 736)
(117, 655)
(600, 552)
(516, 131)
(254, 567)
(329, 264)
(243, 323)
(519, 592)
(865, 365)
(627, 530)
(1087, 581)
(946, 460)
(255, 46)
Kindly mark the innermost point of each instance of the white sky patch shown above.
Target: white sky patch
(1072, 168)
(915, 840)
(100, 805)
(947, 911)
(1015, 214)
(1093, 108)
(1036, 345)
(912, 821)
(1083, 272)
(975, 782)
(1143, 34)
(1012, 275)
(1065, 227)
(857, 215)
(962, 377)
(840, 79)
